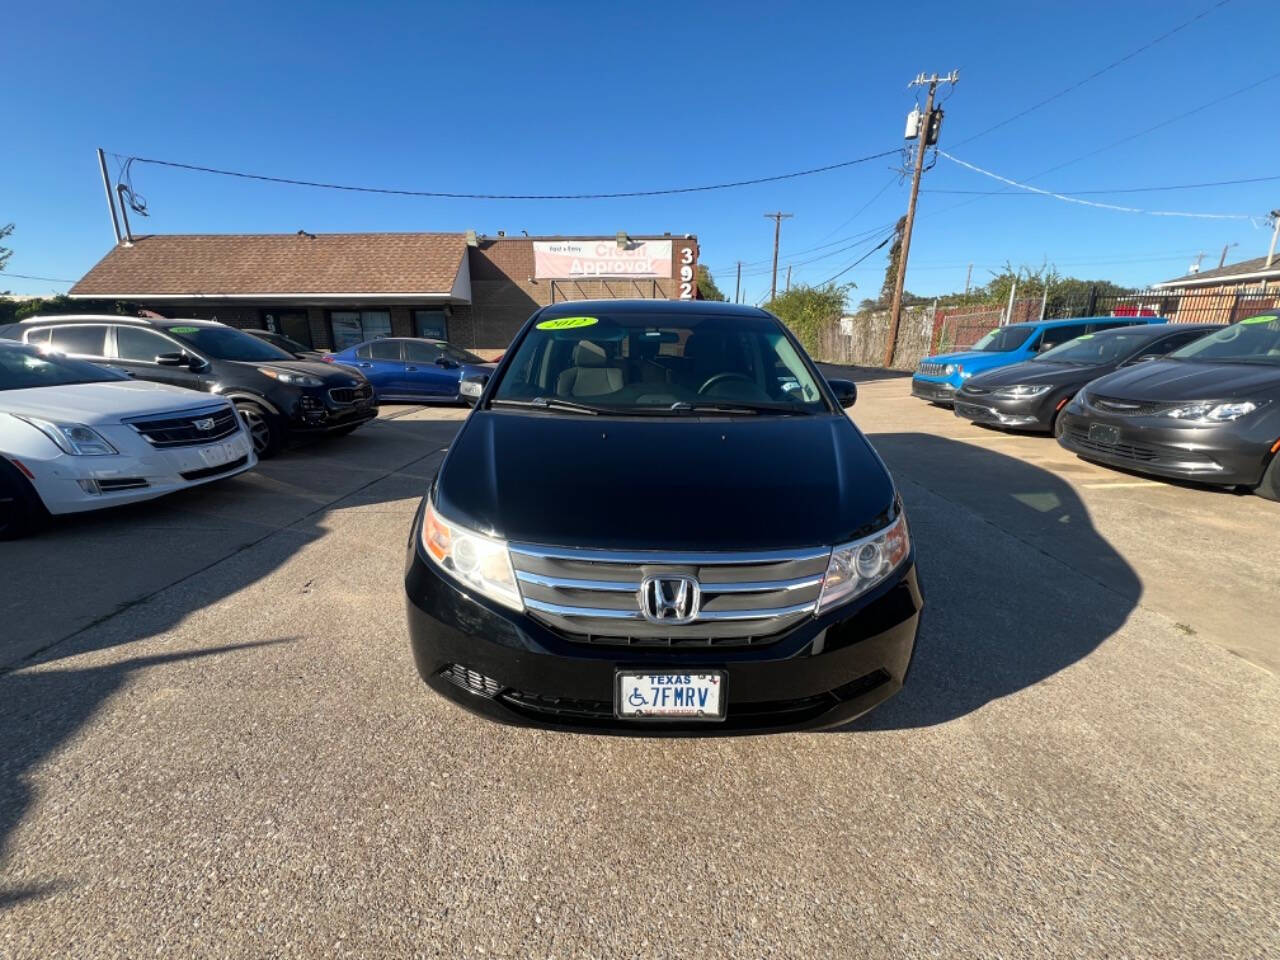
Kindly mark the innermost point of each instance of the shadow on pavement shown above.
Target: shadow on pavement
(1018, 583)
(31, 731)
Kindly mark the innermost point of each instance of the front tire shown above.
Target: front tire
(1269, 488)
(21, 510)
(266, 436)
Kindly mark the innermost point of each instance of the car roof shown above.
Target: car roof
(56, 318)
(1154, 330)
(573, 308)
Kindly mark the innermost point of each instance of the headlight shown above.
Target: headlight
(473, 559)
(858, 566)
(73, 438)
(1210, 412)
(1020, 390)
(292, 378)
(949, 369)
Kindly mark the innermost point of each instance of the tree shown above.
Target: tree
(5, 252)
(707, 288)
(808, 311)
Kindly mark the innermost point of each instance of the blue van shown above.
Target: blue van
(939, 377)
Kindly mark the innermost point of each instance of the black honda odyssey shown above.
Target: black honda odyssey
(658, 519)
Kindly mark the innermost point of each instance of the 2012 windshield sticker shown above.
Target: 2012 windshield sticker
(567, 323)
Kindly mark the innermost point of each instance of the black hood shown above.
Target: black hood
(1039, 372)
(665, 482)
(1178, 380)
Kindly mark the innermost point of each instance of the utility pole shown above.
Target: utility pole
(788, 278)
(777, 219)
(968, 276)
(926, 135)
(111, 203)
(1271, 253)
(1222, 260)
(737, 286)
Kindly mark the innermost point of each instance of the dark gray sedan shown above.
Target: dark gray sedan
(1210, 412)
(1028, 395)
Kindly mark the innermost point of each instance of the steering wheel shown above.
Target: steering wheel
(720, 378)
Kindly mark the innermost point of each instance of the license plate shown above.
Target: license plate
(1104, 433)
(670, 696)
(219, 453)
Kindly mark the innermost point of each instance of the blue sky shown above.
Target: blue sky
(541, 98)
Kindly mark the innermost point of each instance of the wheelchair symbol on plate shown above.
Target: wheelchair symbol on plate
(637, 698)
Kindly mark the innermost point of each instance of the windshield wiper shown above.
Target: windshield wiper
(551, 403)
(684, 406)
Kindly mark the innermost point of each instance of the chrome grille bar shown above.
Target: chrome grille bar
(668, 559)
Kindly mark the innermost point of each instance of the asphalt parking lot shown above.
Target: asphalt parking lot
(213, 741)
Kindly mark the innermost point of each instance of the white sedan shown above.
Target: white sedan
(75, 436)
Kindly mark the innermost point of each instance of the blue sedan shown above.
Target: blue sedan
(410, 368)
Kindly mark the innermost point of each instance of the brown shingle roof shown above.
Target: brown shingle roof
(1243, 268)
(323, 263)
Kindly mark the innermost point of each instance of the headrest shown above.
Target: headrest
(588, 354)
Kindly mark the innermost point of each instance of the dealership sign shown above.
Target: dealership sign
(584, 259)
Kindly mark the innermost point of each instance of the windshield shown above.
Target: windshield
(1003, 339)
(228, 343)
(1256, 340)
(1094, 349)
(654, 363)
(24, 367)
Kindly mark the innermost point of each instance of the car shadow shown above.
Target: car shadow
(114, 578)
(41, 711)
(1018, 583)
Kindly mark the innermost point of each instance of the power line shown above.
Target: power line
(883, 243)
(1092, 203)
(510, 196)
(27, 276)
(857, 213)
(1091, 193)
(1097, 73)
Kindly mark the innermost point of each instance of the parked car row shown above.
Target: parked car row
(1184, 401)
(100, 410)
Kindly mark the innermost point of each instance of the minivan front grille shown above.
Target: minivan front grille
(188, 429)
(593, 596)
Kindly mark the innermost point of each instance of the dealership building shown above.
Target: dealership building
(333, 290)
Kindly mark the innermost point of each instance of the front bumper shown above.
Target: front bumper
(73, 484)
(1227, 454)
(317, 412)
(935, 391)
(825, 672)
(1029, 413)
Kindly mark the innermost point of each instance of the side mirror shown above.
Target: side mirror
(443, 361)
(1145, 358)
(846, 392)
(470, 388)
(171, 359)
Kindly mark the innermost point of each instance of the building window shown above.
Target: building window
(430, 324)
(356, 326)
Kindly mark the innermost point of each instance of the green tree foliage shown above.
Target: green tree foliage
(11, 311)
(809, 310)
(707, 286)
(5, 252)
(895, 256)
